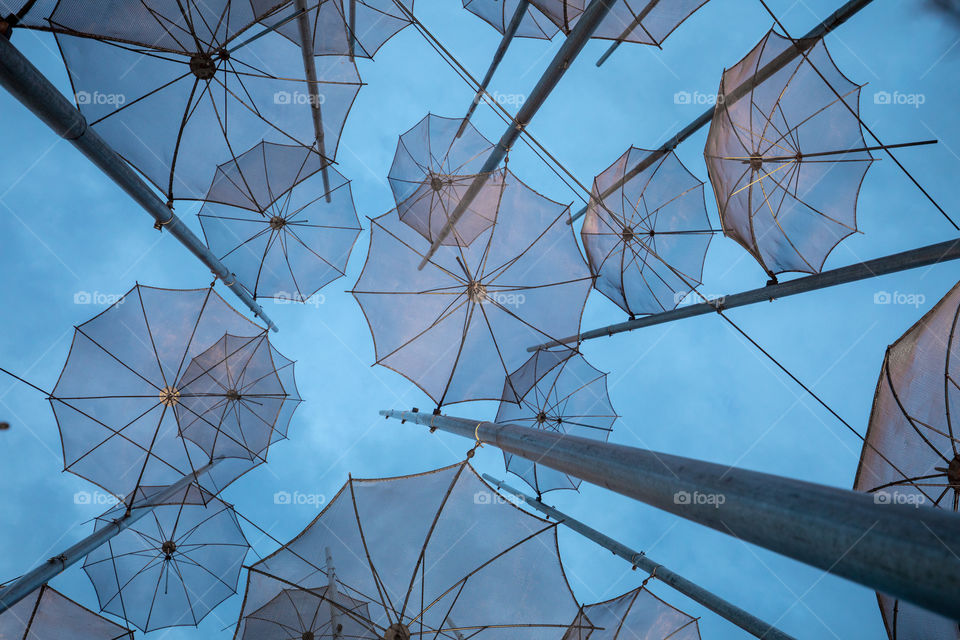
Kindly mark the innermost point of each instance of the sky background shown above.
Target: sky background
(692, 388)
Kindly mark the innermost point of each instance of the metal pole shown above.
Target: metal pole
(835, 19)
(626, 32)
(572, 46)
(313, 87)
(906, 260)
(902, 550)
(508, 35)
(25, 83)
(332, 595)
(29, 582)
(749, 623)
(352, 26)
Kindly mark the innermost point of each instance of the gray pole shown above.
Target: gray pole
(749, 623)
(501, 51)
(913, 259)
(25, 83)
(313, 88)
(571, 48)
(29, 582)
(835, 19)
(906, 551)
(332, 595)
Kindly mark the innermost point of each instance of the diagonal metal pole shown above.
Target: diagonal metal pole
(508, 35)
(571, 48)
(25, 83)
(637, 21)
(28, 582)
(835, 19)
(743, 619)
(906, 551)
(904, 261)
(313, 87)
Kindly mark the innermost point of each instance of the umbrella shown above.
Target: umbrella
(433, 555)
(637, 614)
(461, 325)
(498, 13)
(271, 220)
(640, 21)
(302, 614)
(47, 614)
(911, 454)
(117, 402)
(647, 239)
(555, 390)
(432, 169)
(787, 159)
(172, 567)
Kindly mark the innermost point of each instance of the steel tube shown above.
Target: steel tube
(835, 19)
(906, 551)
(501, 51)
(903, 261)
(746, 621)
(29, 582)
(25, 83)
(313, 88)
(571, 48)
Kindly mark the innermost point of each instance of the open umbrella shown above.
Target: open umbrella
(635, 615)
(498, 13)
(304, 614)
(47, 614)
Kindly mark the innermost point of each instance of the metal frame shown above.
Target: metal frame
(32, 580)
(906, 551)
(638, 559)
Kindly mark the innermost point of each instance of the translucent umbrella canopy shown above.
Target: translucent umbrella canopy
(171, 567)
(47, 614)
(461, 325)
(498, 13)
(342, 27)
(555, 390)
(117, 401)
(178, 88)
(433, 555)
(232, 400)
(647, 240)
(640, 21)
(304, 614)
(636, 615)
(433, 168)
(912, 454)
(786, 158)
(281, 226)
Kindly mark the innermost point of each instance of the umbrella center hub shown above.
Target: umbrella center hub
(168, 548)
(476, 292)
(397, 631)
(169, 396)
(756, 163)
(436, 183)
(203, 66)
(953, 473)
(277, 223)
(628, 234)
(541, 417)
(307, 635)
(233, 394)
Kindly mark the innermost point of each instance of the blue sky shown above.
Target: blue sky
(691, 388)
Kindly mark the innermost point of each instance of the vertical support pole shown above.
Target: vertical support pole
(34, 91)
(313, 87)
(30, 581)
(908, 552)
(571, 48)
(508, 35)
(352, 26)
(335, 625)
(746, 621)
